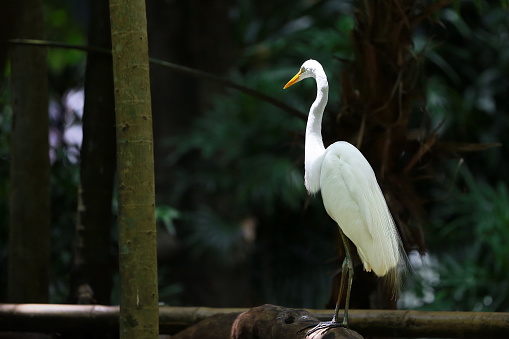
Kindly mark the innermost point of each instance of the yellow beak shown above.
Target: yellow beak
(293, 80)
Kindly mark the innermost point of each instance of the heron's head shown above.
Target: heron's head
(308, 69)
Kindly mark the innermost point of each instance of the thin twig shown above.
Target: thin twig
(231, 84)
(429, 10)
(175, 67)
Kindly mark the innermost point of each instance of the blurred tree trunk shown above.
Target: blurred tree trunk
(380, 89)
(6, 10)
(91, 276)
(29, 206)
(195, 34)
(200, 35)
(139, 313)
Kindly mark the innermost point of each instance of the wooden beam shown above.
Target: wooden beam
(387, 323)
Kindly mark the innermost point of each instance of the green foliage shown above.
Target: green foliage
(467, 82)
(467, 92)
(61, 25)
(253, 156)
(169, 293)
(64, 73)
(478, 220)
(215, 238)
(64, 192)
(243, 161)
(232, 141)
(469, 250)
(167, 216)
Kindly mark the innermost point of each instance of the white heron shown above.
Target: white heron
(351, 196)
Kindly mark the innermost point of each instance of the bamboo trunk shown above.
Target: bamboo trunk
(135, 163)
(387, 323)
(29, 195)
(92, 261)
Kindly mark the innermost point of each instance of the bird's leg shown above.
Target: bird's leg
(343, 277)
(349, 266)
(346, 266)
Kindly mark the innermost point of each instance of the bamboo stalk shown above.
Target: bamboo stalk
(58, 318)
(137, 250)
(389, 323)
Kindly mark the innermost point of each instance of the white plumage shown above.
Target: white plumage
(352, 198)
(350, 192)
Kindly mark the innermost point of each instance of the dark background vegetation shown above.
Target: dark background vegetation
(236, 227)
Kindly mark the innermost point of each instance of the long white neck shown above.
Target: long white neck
(314, 149)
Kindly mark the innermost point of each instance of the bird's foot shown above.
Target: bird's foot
(323, 326)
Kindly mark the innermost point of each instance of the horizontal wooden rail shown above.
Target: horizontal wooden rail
(388, 323)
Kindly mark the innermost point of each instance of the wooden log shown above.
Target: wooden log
(388, 323)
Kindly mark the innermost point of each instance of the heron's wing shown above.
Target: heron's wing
(349, 187)
(354, 200)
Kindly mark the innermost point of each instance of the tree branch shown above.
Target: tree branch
(174, 67)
